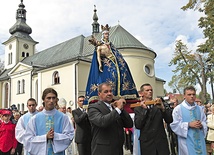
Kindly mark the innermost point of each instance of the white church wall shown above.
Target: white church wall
(65, 87)
(20, 95)
(137, 60)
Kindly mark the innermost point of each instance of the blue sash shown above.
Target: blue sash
(195, 138)
(44, 123)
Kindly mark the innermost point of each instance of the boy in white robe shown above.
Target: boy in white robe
(189, 123)
(50, 131)
(23, 121)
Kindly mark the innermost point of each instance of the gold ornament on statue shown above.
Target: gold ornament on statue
(105, 28)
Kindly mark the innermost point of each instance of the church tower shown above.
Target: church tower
(95, 24)
(20, 44)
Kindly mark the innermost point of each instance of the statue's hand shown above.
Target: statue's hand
(100, 68)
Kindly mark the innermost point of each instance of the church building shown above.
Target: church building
(65, 66)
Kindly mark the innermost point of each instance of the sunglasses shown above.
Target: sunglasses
(31, 105)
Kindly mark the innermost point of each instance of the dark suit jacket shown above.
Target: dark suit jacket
(107, 129)
(152, 133)
(83, 126)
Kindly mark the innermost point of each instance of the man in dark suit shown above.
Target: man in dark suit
(83, 128)
(149, 120)
(108, 122)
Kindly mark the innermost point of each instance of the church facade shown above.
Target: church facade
(65, 66)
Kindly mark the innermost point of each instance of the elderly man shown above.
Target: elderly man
(108, 120)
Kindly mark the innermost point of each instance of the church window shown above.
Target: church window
(56, 78)
(11, 58)
(10, 46)
(23, 86)
(8, 58)
(27, 54)
(23, 54)
(23, 107)
(18, 106)
(6, 95)
(18, 87)
(147, 69)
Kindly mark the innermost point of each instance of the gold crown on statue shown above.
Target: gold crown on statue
(105, 28)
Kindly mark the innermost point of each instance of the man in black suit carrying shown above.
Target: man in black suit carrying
(108, 122)
(149, 120)
(83, 129)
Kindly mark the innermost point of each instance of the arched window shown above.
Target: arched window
(11, 58)
(6, 95)
(18, 106)
(23, 86)
(56, 78)
(8, 58)
(23, 54)
(23, 108)
(18, 87)
(27, 54)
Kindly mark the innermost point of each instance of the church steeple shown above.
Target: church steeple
(20, 28)
(20, 44)
(95, 24)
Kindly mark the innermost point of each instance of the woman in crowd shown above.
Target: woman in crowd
(210, 124)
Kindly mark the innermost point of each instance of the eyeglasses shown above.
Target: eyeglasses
(31, 105)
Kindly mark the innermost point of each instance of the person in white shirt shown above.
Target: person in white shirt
(23, 121)
(50, 131)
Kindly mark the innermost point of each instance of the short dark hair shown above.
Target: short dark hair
(81, 96)
(102, 84)
(31, 99)
(47, 91)
(142, 86)
(189, 88)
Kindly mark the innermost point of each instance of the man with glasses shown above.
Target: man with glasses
(23, 121)
(83, 128)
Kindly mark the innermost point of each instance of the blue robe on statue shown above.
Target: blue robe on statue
(115, 72)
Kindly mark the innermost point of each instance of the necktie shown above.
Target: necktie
(109, 106)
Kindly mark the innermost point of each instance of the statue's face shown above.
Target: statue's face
(106, 35)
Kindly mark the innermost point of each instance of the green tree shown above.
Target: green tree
(206, 23)
(190, 69)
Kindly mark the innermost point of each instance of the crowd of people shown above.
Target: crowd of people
(103, 127)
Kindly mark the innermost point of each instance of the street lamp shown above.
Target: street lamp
(209, 64)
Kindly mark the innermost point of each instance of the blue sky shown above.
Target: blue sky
(157, 23)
